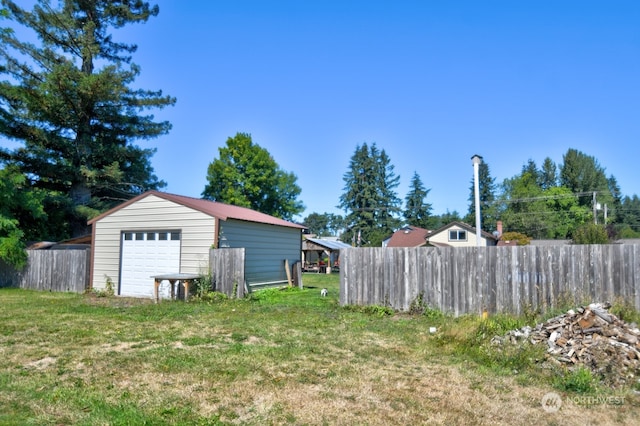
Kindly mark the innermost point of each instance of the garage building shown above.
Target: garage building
(160, 233)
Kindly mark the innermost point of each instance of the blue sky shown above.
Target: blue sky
(430, 82)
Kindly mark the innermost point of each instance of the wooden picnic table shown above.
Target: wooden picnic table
(185, 279)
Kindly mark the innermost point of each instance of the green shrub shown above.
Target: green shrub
(579, 380)
(497, 325)
(625, 310)
(590, 233)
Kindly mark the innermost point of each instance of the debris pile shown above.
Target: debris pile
(591, 337)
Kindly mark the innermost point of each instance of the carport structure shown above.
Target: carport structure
(315, 249)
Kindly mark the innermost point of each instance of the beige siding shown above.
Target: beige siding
(152, 213)
(443, 238)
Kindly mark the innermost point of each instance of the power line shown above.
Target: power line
(545, 197)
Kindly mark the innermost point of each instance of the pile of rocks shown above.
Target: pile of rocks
(589, 336)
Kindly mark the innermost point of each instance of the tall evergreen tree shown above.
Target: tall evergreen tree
(488, 208)
(447, 217)
(68, 99)
(616, 200)
(583, 175)
(548, 174)
(418, 212)
(370, 200)
(535, 176)
(628, 215)
(246, 175)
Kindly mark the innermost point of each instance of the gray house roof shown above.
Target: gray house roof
(328, 244)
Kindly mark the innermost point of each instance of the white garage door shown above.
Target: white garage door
(145, 254)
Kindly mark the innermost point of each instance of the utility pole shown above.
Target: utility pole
(595, 209)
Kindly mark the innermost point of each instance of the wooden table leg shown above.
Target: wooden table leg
(156, 284)
(185, 284)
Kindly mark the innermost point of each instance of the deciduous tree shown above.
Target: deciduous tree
(325, 224)
(246, 175)
(18, 204)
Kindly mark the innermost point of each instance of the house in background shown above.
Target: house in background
(160, 233)
(458, 234)
(408, 236)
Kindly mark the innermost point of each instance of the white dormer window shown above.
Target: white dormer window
(457, 235)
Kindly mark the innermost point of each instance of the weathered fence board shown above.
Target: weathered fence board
(227, 270)
(498, 279)
(50, 270)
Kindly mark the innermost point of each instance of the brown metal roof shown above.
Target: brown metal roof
(409, 236)
(212, 208)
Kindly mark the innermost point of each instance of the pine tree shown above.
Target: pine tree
(417, 211)
(370, 200)
(582, 174)
(68, 99)
(548, 174)
(629, 217)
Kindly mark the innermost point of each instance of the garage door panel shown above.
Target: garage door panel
(145, 254)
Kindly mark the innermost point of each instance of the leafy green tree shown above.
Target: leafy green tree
(564, 213)
(489, 211)
(525, 208)
(246, 175)
(18, 202)
(369, 197)
(418, 212)
(336, 224)
(538, 209)
(317, 223)
(325, 224)
(68, 99)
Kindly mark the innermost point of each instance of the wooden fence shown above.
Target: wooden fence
(498, 279)
(227, 271)
(50, 270)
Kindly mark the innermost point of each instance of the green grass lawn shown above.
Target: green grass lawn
(281, 356)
